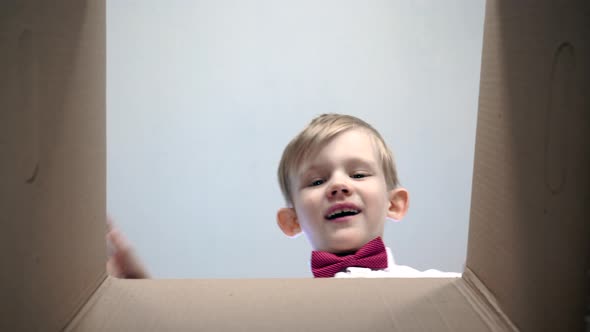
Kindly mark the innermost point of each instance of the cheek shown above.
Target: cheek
(311, 197)
(308, 203)
(379, 199)
(309, 207)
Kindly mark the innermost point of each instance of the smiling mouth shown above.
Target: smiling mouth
(342, 213)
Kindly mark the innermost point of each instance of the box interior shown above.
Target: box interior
(529, 241)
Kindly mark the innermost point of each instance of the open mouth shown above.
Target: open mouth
(342, 213)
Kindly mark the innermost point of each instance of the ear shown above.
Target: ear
(287, 221)
(398, 203)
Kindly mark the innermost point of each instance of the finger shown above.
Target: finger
(110, 223)
(118, 240)
(113, 268)
(130, 265)
(110, 247)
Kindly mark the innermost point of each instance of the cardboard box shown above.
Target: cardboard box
(529, 238)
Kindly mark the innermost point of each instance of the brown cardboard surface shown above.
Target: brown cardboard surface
(52, 157)
(528, 243)
(277, 304)
(529, 238)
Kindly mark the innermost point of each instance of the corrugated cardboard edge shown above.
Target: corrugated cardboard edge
(103, 283)
(484, 302)
(470, 288)
(428, 304)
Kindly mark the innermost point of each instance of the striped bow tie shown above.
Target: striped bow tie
(372, 255)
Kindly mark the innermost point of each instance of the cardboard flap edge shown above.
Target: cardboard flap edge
(103, 284)
(485, 303)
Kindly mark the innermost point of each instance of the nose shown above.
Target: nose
(338, 188)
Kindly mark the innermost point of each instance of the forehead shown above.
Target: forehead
(351, 146)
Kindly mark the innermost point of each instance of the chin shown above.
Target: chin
(350, 243)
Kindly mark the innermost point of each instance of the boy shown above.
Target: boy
(340, 184)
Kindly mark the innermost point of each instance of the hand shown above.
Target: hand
(122, 261)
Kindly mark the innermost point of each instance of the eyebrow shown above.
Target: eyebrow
(363, 162)
(308, 170)
(348, 162)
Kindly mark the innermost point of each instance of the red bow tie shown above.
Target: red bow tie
(372, 255)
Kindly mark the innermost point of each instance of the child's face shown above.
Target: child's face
(340, 196)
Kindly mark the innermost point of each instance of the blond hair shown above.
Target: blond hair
(316, 135)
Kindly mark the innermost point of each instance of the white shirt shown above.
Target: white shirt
(393, 271)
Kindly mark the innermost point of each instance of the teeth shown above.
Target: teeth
(331, 215)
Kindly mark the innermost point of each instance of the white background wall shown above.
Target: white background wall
(203, 96)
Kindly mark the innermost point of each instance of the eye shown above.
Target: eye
(317, 182)
(359, 175)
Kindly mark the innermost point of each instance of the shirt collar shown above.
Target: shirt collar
(390, 259)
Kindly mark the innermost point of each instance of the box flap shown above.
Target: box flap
(289, 304)
(529, 235)
(52, 157)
